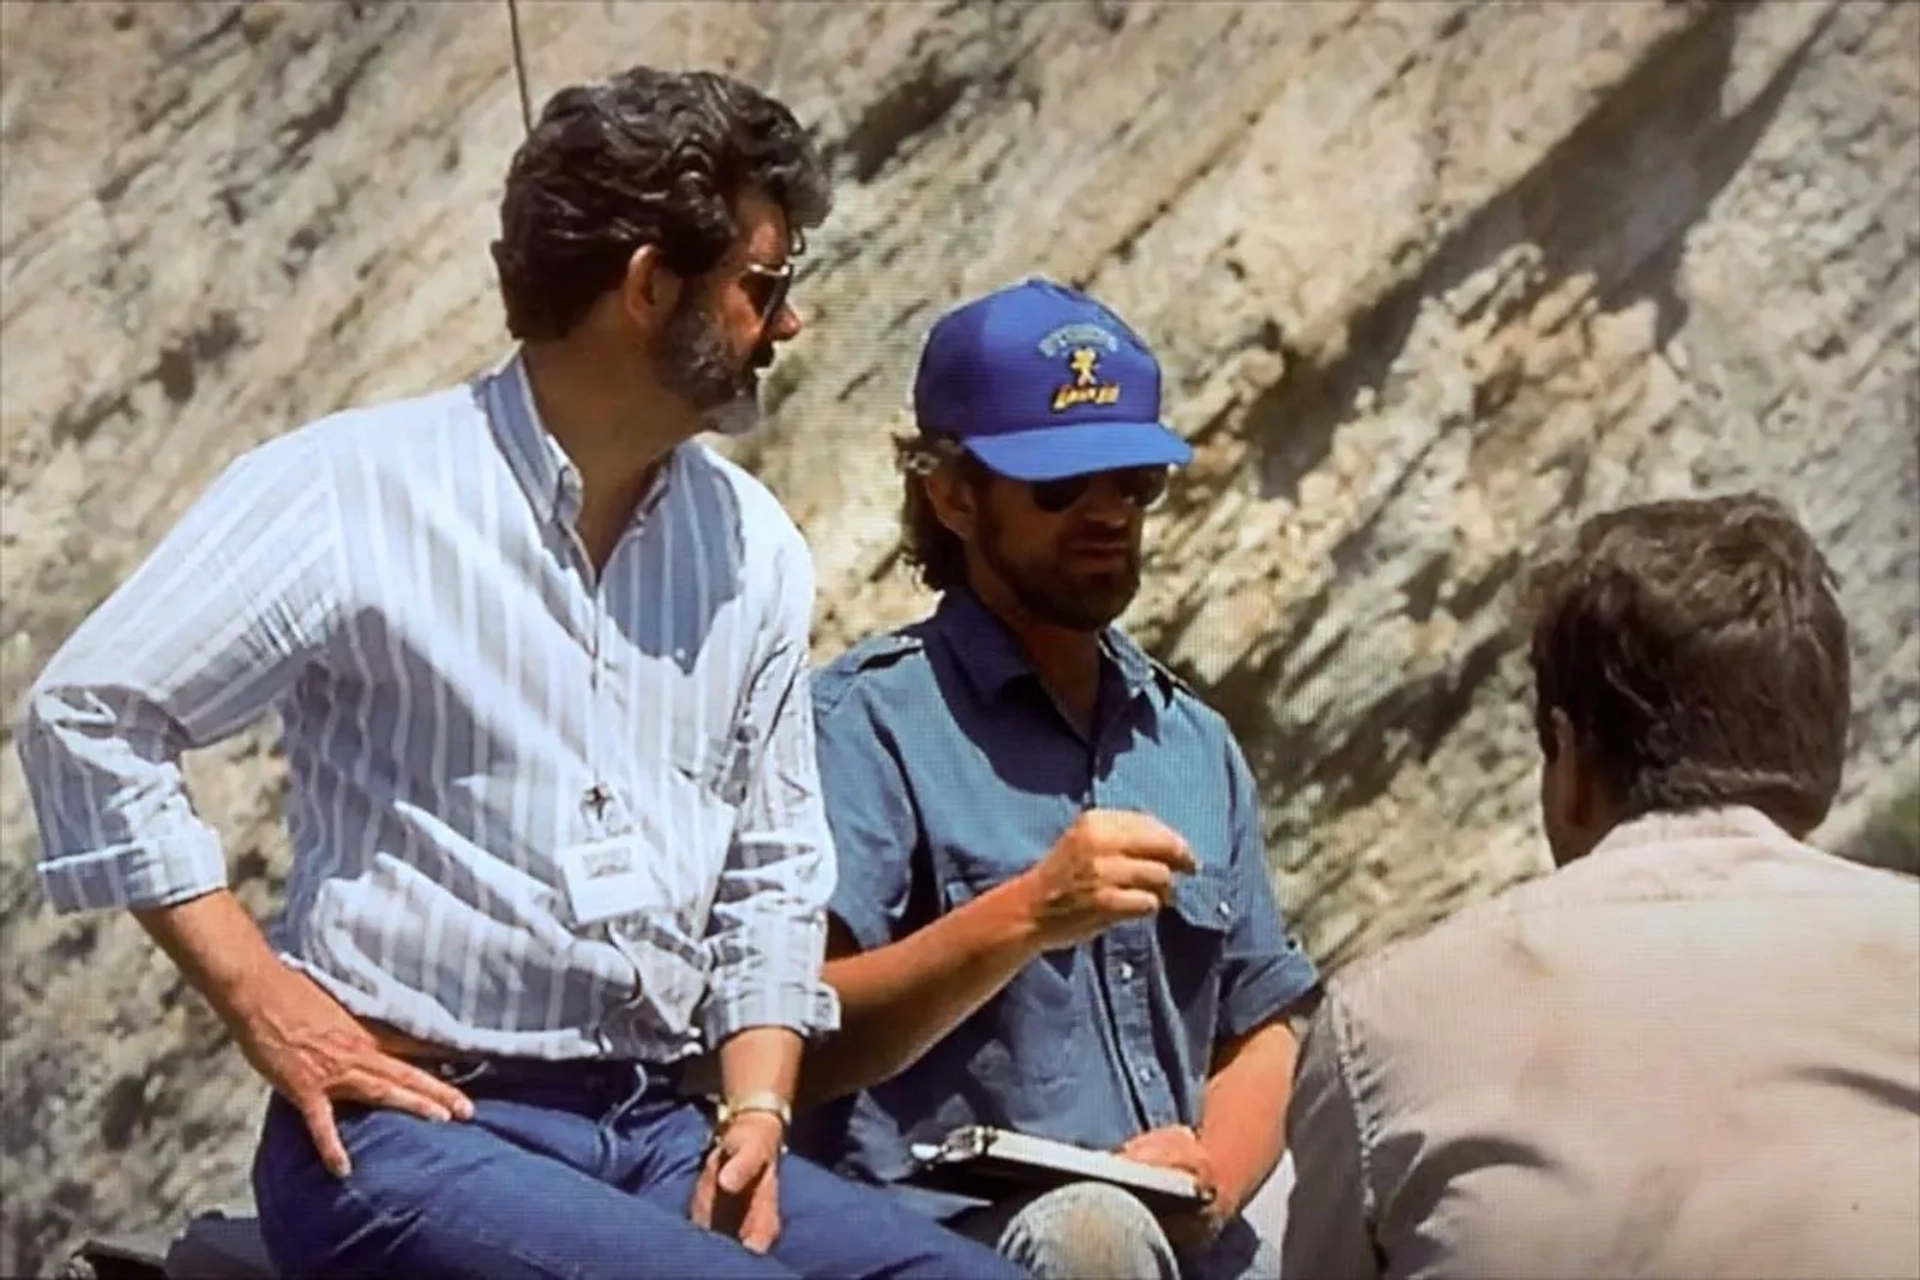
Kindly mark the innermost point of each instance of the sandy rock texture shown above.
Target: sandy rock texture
(1430, 280)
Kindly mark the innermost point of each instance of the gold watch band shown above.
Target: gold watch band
(764, 1100)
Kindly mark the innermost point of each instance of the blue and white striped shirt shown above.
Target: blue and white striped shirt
(461, 699)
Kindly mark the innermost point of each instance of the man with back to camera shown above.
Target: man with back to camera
(1693, 1049)
(1053, 912)
(541, 665)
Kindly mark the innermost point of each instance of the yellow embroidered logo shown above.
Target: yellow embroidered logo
(1086, 388)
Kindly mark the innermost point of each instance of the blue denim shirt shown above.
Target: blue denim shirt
(947, 768)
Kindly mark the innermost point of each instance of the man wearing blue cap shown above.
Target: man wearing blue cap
(1053, 912)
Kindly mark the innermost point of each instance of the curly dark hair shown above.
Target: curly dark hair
(1697, 647)
(644, 157)
(935, 552)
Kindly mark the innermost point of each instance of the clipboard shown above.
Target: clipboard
(992, 1164)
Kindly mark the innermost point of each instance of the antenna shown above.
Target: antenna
(519, 66)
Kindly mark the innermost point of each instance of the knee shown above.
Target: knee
(1089, 1229)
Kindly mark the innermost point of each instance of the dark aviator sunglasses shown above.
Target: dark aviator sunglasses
(1142, 486)
(767, 286)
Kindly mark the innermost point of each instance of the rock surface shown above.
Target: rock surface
(1430, 280)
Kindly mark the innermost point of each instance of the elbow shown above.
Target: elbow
(52, 709)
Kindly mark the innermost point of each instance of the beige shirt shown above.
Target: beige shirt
(1693, 1053)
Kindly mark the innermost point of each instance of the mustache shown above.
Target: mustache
(1101, 542)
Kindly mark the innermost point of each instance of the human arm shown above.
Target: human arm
(1329, 1215)
(906, 981)
(1264, 978)
(766, 934)
(1250, 1075)
(737, 1193)
(900, 1000)
(290, 1030)
(220, 618)
(196, 644)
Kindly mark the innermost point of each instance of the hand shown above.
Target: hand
(738, 1193)
(1178, 1147)
(313, 1052)
(1109, 866)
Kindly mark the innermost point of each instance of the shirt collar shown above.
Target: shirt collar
(545, 472)
(1739, 821)
(987, 651)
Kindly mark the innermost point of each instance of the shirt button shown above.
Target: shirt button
(1226, 911)
(1126, 972)
(1145, 1075)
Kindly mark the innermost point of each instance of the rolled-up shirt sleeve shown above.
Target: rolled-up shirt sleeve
(1265, 970)
(196, 644)
(767, 936)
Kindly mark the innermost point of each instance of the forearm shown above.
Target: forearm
(1241, 1122)
(760, 1060)
(219, 949)
(899, 1000)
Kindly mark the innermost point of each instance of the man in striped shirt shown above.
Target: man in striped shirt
(540, 662)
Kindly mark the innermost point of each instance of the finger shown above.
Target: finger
(1140, 873)
(762, 1224)
(1148, 1148)
(1167, 849)
(425, 1083)
(381, 1091)
(317, 1112)
(1144, 836)
(1128, 903)
(700, 1211)
(740, 1171)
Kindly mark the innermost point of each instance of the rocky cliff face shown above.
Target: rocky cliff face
(1430, 281)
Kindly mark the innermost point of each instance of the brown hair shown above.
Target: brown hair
(936, 552)
(644, 157)
(1698, 650)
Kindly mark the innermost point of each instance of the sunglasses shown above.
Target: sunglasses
(767, 288)
(767, 284)
(1142, 486)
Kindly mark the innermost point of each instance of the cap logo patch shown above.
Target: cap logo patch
(1080, 345)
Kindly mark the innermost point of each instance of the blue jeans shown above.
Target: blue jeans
(1085, 1230)
(577, 1170)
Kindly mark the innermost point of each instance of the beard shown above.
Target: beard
(695, 363)
(1050, 591)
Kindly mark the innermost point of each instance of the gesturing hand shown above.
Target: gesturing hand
(1178, 1147)
(314, 1053)
(738, 1193)
(1110, 865)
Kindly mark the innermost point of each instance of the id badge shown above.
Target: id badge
(615, 876)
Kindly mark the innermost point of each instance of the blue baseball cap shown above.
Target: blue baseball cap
(1040, 382)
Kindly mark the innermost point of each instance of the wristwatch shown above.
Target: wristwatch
(758, 1100)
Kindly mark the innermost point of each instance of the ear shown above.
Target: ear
(1571, 771)
(954, 501)
(649, 291)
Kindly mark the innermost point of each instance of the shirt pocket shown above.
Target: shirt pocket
(1193, 938)
(1022, 1040)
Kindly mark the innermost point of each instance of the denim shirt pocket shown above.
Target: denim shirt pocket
(1193, 944)
(1022, 1041)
